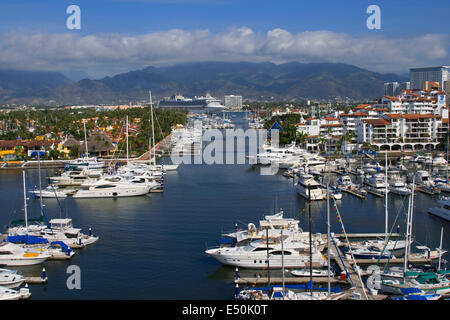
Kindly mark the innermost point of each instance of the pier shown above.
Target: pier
(355, 192)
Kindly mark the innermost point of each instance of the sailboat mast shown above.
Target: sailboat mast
(85, 138)
(153, 128)
(447, 156)
(328, 240)
(408, 221)
(25, 201)
(440, 249)
(386, 218)
(127, 138)
(40, 185)
(411, 221)
(282, 258)
(310, 239)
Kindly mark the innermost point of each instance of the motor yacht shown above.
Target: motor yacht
(104, 188)
(14, 255)
(10, 279)
(257, 253)
(51, 191)
(399, 187)
(309, 188)
(442, 209)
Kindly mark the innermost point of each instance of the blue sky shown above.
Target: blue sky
(401, 21)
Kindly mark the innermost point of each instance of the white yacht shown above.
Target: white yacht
(422, 177)
(344, 182)
(398, 186)
(309, 188)
(14, 255)
(10, 279)
(372, 167)
(85, 162)
(439, 160)
(109, 189)
(442, 210)
(9, 294)
(417, 159)
(271, 226)
(58, 230)
(254, 255)
(377, 181)
(75, 177)
(51, 192)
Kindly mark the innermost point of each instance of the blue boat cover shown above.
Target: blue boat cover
(27, 239)
(277, 295)
(64, 246)
(415, 297)
(226, 240)
(410, 290)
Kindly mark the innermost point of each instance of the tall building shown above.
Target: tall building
(394, 88)
(404, 86)
(447, 91)
(435, 74)
(233, 101)
(390, 88)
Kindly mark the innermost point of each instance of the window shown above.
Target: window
(279, 253)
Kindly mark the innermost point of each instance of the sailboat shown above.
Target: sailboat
(85, 161)
(379, 248)
(12, 254)
(60, 233)
(424, 283)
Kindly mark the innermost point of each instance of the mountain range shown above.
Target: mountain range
(254, 81)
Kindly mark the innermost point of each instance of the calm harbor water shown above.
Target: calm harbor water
(152, 247)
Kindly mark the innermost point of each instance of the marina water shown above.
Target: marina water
(152, 247)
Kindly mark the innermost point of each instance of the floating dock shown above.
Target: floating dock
(357, 193)
(36, 280)
(375, 192)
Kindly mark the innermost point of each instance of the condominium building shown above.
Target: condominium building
(233, 101)
(438, 74)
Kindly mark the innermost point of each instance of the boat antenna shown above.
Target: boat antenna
(25, 201)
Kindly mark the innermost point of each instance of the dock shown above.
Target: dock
(287, 280)
(354, 287)
(375, 192)
(357, 193)
(36, 280)
(345, 266)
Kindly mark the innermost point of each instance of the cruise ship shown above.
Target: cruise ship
(203, 104)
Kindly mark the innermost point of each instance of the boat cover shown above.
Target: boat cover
(27, 239)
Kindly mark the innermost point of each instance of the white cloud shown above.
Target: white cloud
(101, 54)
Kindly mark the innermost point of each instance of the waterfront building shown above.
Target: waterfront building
(401, 132)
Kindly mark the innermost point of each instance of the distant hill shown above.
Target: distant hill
(18, 85)
(254, 81)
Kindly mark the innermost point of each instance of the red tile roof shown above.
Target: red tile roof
(377, 122)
